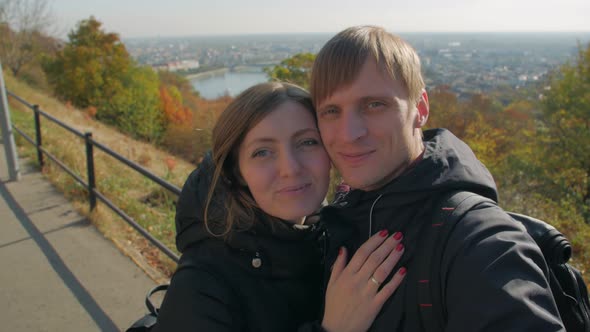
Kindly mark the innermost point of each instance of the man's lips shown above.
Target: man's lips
(355, 157)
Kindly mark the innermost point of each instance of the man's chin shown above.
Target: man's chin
(357, 182)
(366, 183)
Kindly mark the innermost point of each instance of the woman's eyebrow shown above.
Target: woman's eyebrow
(261, 140)
(305, 131)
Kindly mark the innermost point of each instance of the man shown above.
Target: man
(371, 106)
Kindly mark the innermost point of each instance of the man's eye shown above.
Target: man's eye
(375, 104)
(329, 111)
(309, 142)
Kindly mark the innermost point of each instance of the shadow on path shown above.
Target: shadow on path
(84, 298)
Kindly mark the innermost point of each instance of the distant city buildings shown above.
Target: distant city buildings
(467, 63)
(177, 65)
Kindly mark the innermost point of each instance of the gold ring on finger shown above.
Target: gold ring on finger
(375, 281)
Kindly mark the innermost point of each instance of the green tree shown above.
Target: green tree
(566, 133)
(296, 70)
(136, 107)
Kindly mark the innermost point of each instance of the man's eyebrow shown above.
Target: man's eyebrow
(387, 98)
(323, 107)
(363, 99)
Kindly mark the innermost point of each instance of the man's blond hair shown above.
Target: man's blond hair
(339, 62)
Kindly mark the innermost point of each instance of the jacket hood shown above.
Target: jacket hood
(447, 164)
(190, 209)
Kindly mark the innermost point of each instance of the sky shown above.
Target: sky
(153, 18)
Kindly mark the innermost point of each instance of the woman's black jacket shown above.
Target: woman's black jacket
(265, 278)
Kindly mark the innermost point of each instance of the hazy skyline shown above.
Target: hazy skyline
(150, 18)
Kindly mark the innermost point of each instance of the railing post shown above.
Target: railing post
(90, 169)
(7, 136)
(38, 135)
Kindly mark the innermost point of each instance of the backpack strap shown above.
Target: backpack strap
(433, 238)
(149, 320)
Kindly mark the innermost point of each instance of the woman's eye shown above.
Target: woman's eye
(260, 153)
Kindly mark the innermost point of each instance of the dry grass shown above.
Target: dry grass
(148, 203)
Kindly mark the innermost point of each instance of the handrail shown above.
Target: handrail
(140, 169)
(93, 193)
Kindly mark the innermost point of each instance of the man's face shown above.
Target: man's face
(370, 128)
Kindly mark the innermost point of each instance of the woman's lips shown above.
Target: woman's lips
(290, 190)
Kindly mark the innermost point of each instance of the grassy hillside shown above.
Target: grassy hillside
(148, 203)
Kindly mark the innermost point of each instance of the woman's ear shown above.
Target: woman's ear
(423, 110)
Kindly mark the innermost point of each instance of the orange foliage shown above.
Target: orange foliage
(191, 141)
(170, 163)
(91, 111)
(173, 109)
(213, 107)
(144, 159)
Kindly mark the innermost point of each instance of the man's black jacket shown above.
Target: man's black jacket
(494, 275)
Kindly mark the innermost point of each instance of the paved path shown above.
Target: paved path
(57, 272)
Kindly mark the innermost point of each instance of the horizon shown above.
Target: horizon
(181, 18)
(334, 32)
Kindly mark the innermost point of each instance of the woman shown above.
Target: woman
(252, 256)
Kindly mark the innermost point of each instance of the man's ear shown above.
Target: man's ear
(423, 110)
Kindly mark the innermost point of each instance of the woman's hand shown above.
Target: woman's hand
(355, 294)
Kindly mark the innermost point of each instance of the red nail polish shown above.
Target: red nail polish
(399, 247)
(383, 233)
(402, 271)
(340, 251)
(398, 235)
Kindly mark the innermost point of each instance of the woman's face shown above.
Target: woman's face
(284, 164)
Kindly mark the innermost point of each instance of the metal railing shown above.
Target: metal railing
(93, 193)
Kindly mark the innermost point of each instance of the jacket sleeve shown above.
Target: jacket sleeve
(197, 300)
(496, 277)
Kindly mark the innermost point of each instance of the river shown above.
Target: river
(222, 82)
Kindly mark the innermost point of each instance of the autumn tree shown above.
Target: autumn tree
(172, 107)
(95, 70)
(178, 98)
(445, 111)
(190, 97)
(91, 68)
(296, 70)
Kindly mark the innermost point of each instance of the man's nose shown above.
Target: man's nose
(353, 126)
